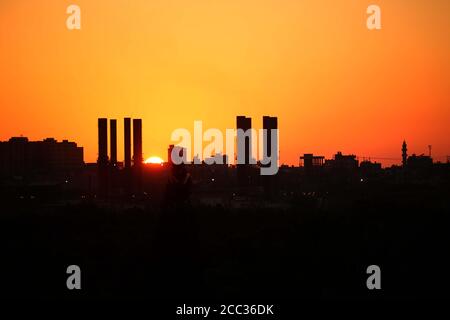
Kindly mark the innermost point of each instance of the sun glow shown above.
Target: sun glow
(154, 160)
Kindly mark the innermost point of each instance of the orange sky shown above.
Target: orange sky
(333, 84)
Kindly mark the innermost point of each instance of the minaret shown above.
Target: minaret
(404, 154)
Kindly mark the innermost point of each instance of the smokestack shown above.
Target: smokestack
(269, 123)
(137, 142)
(113, 141)
(244, 124)
(102, 141)
(243, 150)
(127, 142)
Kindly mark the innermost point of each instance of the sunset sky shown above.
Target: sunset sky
(332, 83)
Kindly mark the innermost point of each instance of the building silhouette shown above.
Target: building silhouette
(49, 158)
(311, 161)
(419, 161)
(369, 169)
(341, 161)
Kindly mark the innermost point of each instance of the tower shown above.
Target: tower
(102, 160)
(244, 139)
(269, 124)
(102, 141)
(404, 153)
(137, 155)
(270, 136)
(127, 142)
(244, 126)
(137, 142)
(113, 141)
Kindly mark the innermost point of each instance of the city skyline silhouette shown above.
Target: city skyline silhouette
(24, 163)
(392, 160)
(334, 84)
(128, 171)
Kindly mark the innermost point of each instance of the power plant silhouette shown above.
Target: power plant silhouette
(108, 169)
(203, 228)
(53, 168)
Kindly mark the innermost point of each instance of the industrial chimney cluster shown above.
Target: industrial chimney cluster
(108, 166)
(103, 158)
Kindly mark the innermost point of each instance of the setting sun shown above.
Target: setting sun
(154, 160)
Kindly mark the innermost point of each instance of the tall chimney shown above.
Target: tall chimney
(269, 123)
(102, 141)
(244, 150)
(127, 142)
(137, 142)
(244, 124)
(113, 141)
